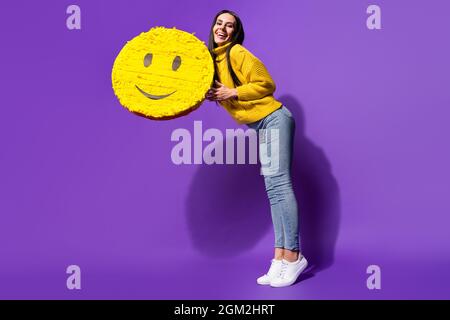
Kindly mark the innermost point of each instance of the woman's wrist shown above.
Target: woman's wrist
(234, 93)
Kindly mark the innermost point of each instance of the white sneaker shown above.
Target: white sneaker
(274, 270)
(289, 272)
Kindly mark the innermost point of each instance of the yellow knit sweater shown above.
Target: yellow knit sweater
(255, 95)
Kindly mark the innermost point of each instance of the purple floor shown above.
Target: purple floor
(200, 278)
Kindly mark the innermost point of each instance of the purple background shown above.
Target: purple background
(85, 182)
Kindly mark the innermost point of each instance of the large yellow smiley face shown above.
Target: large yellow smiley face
(163, 73)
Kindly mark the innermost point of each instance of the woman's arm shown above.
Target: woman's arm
(259, 82)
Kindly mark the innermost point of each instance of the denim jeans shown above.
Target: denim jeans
(276, 147)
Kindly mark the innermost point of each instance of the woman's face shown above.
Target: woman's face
(224, 28)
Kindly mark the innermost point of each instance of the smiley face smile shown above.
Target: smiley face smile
(153, 97)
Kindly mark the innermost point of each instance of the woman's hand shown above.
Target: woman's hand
(221, 92)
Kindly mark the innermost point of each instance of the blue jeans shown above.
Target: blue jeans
(275, 153)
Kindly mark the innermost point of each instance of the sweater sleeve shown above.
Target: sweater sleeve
(259, 82)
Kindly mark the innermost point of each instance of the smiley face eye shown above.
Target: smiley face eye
(176, 63)
(148, 59)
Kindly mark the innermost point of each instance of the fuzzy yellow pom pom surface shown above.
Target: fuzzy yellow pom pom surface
(163, 73)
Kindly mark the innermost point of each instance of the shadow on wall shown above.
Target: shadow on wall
(227, 208)
(228, 211)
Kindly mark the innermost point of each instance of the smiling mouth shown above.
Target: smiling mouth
(222, 36)
(151, 96)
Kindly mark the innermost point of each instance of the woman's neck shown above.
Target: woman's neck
(219, 50)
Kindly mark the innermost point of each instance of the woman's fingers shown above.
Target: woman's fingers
(211, 92)
(216, 94)
(211, 95)
(218, 83)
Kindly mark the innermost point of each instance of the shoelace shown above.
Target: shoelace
(282, 271)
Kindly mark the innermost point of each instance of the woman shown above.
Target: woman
(245, 88)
